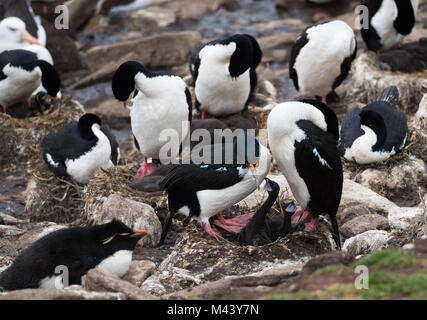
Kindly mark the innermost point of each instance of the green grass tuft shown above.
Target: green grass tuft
(390, 258)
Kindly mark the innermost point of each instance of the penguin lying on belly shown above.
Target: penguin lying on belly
(108, 247)
(80, 150)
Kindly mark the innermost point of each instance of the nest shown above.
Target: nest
(211, 259)
(49, 198)
(405, 192)
(369, 81)
(22, 137)
(116, 180)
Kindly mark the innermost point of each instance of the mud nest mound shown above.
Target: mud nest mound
(209, 258)
(49, 198)
(369, 81)
(22, 137)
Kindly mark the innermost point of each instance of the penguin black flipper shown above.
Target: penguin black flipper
(350, 129)
(300, 42)
(318, 163)
(405, 20)
(115, 149)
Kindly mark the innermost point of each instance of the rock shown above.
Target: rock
(279, 39)
(346, 214)
(367, 242)
(189, 9)
(420, 119)
(6, 231)
(63, 48)
(13, 239)
(326, 259)
(59, 294)
(151, 18)
(240, 287)
(80, 11)
(136, 215)
(369, 81)
(102, 281)
(282, 4)
(402, 218)
(156, 51)
(421, 114)
(9, 220)
(402, 181)
(354, 194)
(106, 73)
(153, 284)
(276, 25)
(112, 112)
(364, 223)
(139, 271)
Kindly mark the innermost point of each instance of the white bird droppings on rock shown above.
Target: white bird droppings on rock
(401, 218)
(366, 242)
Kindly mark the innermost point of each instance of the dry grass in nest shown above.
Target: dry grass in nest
(50, 198)
(260, 115)
(22, 137)
(116, 181)
(399, 238)
(369, 81)
(197, 252)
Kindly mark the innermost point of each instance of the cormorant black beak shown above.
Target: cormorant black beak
(138, 234)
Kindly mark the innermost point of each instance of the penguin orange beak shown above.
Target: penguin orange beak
(27, 37)
(138, 234)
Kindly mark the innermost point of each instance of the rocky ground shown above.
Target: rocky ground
(383, 209)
